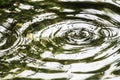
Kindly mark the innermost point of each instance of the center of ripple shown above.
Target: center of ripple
(73, 32)
(78, 39)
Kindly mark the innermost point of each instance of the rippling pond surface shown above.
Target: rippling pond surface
(60, 40)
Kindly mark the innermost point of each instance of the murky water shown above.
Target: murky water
(60, 40)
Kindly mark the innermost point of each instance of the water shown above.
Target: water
(60, 40)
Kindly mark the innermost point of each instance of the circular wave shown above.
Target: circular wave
(9, 40)
(73, 41)
(80, 36)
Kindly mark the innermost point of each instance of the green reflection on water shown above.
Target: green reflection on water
(27, 40)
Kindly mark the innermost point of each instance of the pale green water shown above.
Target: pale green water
(60, 40)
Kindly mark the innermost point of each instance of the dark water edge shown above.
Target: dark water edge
(60, 40)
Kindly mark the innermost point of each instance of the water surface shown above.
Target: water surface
(60, 40)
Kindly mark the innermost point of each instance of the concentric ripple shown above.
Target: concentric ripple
(62, 40)
(9, 39)
(80, 37)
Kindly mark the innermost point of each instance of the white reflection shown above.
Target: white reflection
(25, 7)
